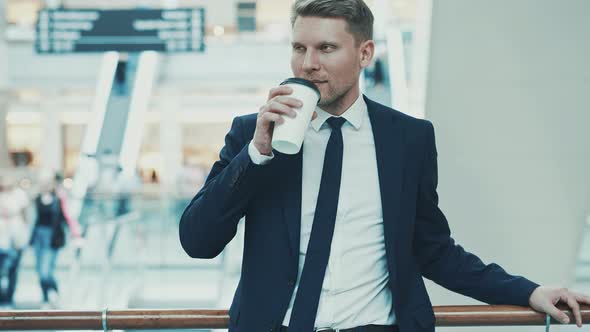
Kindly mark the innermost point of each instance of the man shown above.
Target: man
(339, 236)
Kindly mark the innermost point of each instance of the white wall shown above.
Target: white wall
(507, 92)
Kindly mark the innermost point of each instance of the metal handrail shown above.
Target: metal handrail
(477, 315)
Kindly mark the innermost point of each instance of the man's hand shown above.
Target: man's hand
(544, 299)
(277, 106)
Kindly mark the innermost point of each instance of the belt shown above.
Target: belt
(366, 328)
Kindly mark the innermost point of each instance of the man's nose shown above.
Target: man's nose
(311, 61)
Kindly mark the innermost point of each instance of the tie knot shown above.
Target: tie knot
(336, 123)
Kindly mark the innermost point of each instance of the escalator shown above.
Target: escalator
(118, 105)
(113, 135)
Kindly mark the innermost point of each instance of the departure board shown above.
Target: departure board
(87, 30)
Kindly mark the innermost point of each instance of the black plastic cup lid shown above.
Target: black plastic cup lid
(303, 81)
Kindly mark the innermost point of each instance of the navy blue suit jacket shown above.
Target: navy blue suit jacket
(417, 237)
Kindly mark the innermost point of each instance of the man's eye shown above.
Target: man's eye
(327, 48)
(298, 49)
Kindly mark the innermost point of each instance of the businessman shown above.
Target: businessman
(339, 236)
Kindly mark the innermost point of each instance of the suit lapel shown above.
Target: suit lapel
(387, 133)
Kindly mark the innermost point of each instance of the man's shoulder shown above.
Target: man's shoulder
(244, 126)
(247, 122)
(407, 121)
(248, 119)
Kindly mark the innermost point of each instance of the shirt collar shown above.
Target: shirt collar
(353, 115)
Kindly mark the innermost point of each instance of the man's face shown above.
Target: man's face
(323, 51)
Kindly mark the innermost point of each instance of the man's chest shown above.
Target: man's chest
(359, 202)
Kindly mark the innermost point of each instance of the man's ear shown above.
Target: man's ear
(367, 51)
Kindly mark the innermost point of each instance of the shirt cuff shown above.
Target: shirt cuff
(257, 157)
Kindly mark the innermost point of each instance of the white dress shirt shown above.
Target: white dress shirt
(355, 290)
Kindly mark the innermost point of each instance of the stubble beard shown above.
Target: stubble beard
(333, 104)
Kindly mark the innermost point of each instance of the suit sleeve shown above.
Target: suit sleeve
(210, 221)
(448, 264)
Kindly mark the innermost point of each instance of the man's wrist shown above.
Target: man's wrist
(257, 157)
(531, 295)
(265, 151)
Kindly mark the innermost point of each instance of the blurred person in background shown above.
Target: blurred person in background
(105, 191)
(73, 224)
(126, 185)
(91, 169)
(49, 234)
(14, 236)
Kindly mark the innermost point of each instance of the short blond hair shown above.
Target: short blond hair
(356, 13)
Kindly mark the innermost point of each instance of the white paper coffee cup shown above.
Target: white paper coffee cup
(288, 137)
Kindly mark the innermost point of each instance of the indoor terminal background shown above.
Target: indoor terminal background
(504, 82)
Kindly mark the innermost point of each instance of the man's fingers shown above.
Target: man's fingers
(272, 117)
(582, 298)
(289, 101)
(573, 304)
(558, 315)
(279, 90)
(276, 107)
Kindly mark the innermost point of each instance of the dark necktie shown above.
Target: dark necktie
(318, 250)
